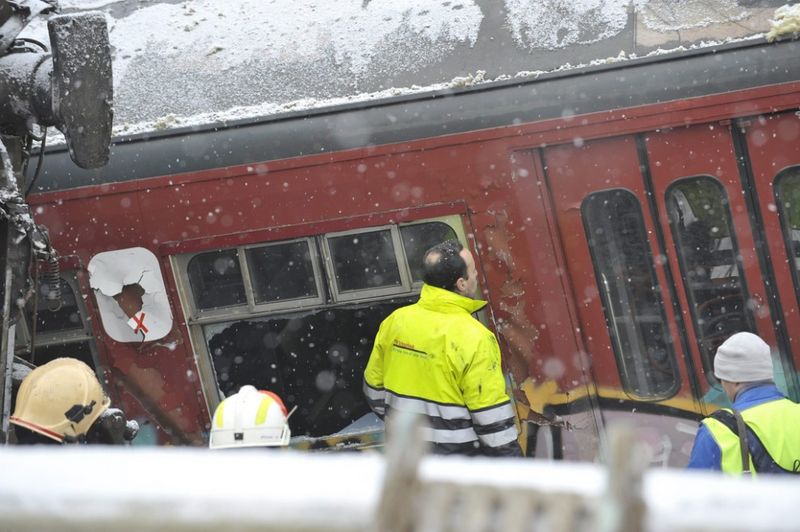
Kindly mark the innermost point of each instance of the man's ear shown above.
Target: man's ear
(461, 285)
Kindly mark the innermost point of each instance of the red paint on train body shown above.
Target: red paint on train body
(580, 347)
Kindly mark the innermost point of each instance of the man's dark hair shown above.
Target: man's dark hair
(442, 265)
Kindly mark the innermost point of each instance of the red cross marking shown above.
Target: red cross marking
(140, 324)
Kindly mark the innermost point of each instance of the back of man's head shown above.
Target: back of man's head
(743, 357)
(443, 265)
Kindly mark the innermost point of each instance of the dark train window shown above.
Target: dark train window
(61, 328)
(630, 292)
(313, 360)
(216, 280)
(282, 272)
(419, 238)
(787, 198)
(711, 269)
(363, 261)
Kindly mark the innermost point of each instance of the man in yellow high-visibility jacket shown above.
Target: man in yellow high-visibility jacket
(435, 359)
(743, 365)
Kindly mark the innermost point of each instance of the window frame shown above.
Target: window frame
(195, 321)
(785, 222)
(250, 307)
(707, 364)
(364, 294)
(295, 303)
(65, 337)
(417, 285)
(616, 345)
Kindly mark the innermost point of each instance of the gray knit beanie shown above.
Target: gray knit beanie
(744, 357)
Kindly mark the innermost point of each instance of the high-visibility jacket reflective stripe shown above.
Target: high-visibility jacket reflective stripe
(775, 423)
(435, 359)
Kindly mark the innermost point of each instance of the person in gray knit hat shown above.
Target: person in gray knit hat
(743, 366)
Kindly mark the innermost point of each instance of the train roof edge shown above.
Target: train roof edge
(312, 131)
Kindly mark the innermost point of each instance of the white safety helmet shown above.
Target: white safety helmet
(250, 418)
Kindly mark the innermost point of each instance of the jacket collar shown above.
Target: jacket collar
(443, 300)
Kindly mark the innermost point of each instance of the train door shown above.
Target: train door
(725, 238)
(771, 145)
(626, 310)
(674, 241)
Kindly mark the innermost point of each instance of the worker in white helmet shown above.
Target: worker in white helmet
(63, 402)
(250, 418)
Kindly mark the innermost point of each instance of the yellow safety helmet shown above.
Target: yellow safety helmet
(60, 400)
(250, 418)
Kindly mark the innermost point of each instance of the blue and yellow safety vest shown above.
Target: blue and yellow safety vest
(774, 438)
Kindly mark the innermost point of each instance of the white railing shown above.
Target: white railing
(120, 489)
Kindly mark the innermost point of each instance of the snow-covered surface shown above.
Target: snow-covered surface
(559, 24)
(105, 488)
(185, 63)
(692, 500)
(169, 489)
(678, 15)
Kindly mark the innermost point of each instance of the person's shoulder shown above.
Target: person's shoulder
(474, 329)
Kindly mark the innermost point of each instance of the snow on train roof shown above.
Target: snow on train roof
(180, 64)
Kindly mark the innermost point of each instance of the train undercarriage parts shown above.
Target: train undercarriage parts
(71, 89)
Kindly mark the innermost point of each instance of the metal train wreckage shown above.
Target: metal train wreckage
(626, 218)
(68, 85)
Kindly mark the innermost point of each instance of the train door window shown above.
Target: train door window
(630, 293)
(700, 221)
(366, 263)
(283, 272)
(787, 198)
(61, 328)
(216, 280)
(419, 238)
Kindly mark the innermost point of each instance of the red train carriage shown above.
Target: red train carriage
(626, 219)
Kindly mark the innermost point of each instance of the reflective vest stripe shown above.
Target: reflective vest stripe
(427, 408)
(493, 414)
(375, 399)
(493, 427)
(503, 437)
(450, 436)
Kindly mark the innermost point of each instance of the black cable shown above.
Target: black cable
(38, 164)
(32, 41)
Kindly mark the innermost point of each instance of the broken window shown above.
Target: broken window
(131, 295)
(306, 315)
(314, 360)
